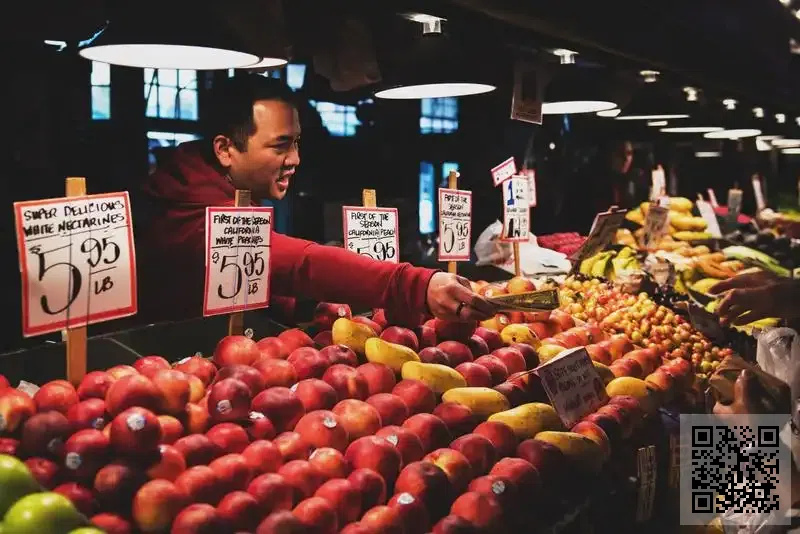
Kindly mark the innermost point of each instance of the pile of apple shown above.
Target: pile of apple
(383, 429)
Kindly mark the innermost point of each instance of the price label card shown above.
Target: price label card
(455, 224)
(658, 181)
(77, 261)
(656, 224)
(573, 385)
(532, 188)
(504, 171)
(526, 99)
(758, 191)
(238, 244)
(712, 197)
(372, 232)
(646, 470)
(516, 209)
(734, 204)
(708, 215)
(604, 228)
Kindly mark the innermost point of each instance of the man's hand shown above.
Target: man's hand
(746, 392)
(451, 297)
(754, 296)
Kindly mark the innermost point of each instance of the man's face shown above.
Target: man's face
(272, 154)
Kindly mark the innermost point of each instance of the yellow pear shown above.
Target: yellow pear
(519, 333)
(351, 334)
(391, 355)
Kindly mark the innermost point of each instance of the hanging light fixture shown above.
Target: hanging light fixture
(609, 113)
(651, 102)
(737, 123)
(133, 37)
(433, 68)
(699, 122)
(572, 89)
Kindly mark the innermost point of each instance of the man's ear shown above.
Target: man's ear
(222, 150)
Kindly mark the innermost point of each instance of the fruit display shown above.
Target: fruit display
(780, 248)
(683, 225)
(564, 242)
(610, 263)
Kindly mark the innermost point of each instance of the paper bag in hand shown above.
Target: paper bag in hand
(774, 395)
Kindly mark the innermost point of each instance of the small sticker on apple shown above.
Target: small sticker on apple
(248, 333)
(224, 406)
(55, 445)
(342, 312)
(186, 359)
(293, 388)
(98, 423)
(73, 460)
(392, 438)
(405, 498)
(329, 422)
(255, 416)
(498, 487)
(135, 422)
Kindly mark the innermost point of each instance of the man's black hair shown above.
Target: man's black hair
(229, 111)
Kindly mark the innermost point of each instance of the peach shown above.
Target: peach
(681, 370)
(375, 453)
(315, 394)
(608, 423)
(384, 519)
(233, 472)
(406, 442)
(626, 367)
(342, 495)
(281, 406)
(321, 428)
(308, 363)
(648, 359)
(430, 429)
(157, 504)
(130, 391)
(57, 395)
(426, 336)
(434, 355)
(44, 434)
(80, 497)
(500, 435)
(197, 390)
(327, 312)
(46, 472)
(240, 511)
(171, 429)
(339, 354)
(282, 522)
(661, 381)
(197, 518)
(417, 395)
(260, 426)
(359, 418)
(459, 418)
(477, 346)
(247, 374)
(496, 368)
(263, 457)
(478, 451)
(380, 378)
(116, 484)
(391, 408)
(170, 464)
(594, 433)
(323, 339)
(522, 474)
(293, 446)
(479, 509)
(174, 388)
(94, 385)
(454, 330)
(412, 511)
(150, 365)
(135, 431)
(528, 353)
(233, 350)
(496, 323)
(475, 375)
(86, 451)
(456, 351)
(619, 345)
(303, 477)
(454, 464)
(272, 347)
(564, 320)
(428, 483)
(197, 449)
(499, 488)
(111, 524)
(228, 437)
(571, 339)
(295, 338)
(119, 371)
(272, 492)
(200, 484)
(491, 337)
(375, 327)
(330, 462)
(453, 524)
(370, 485)
(347, 382)
(544, 330)
(514, 393)
(512, 358)
(202, 368)
(401, 336)
(519, 284)
(599, 354)
(317, 514)
(196, 419)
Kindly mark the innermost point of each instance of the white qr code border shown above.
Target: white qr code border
(735, 467)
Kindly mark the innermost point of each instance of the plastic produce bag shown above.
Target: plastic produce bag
(490, 250)
(534, 260)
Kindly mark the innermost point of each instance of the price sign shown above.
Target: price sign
(734, 206)
(531, 188)
(712, 197)
(372, 232)
(658, 183)
(516, 209)
(758, 191)
(573, 385)
(526, 99)
(656, 224)
(504, 171)
(708, 215)
(77, 261)
(238, 244)
(604, 228)
(455, 224)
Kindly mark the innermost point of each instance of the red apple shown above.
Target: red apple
(564, 320)
(401, 336)
(347, 382)
(428, 483)
(370, 485)
(174, 388)
(405, 441)
(197, 518)
(515, 394)
(323, 339)
(546, 458)
(86, 451)
(453, 524)
(481, 510)
(380, 378)
(375, 453)
(272, 492)
(599, 353)
(295, 338)
(327, 312)
(197, 449)
(476, 375)
(195, 419)
(135, 431)
(455, 465)
(317, 513)
(529, 353)
(384, 519)
(375, 327)
(499, 488)
(434, 355)
(281, 406)
(4, 382)
(171, 429)
(340, 354)
(412, 512)
(57, 395)
(80, 496)
(478, 450)
(112, 524)
(512, 358)
(240, 510)
(496, 368)
(342, 495)
(359, 418)
(315, 394)
(456, 351)
(321, 428)
(430, 430)
(229, 437)
(263, 457)
(94, 385)
(303, 477)
(522, 474)
(272, 347)
(202, 368)
(459, 418)
(247, 374)
(293, 446)
(150, 365)
(308, 363)
(454, 330)
(46, 472)
(501, 436)
(130, 391)
(116, 484)
(330, 462)
(44, 434)
(200, 484)
(9, 446)
(233, 472)
(426, 336)
(281, 522)
(229, 400)
(233, 350)
(119, 371)
(260, 427)
(491, 337)
(391, 408)
(417, 395)
(170, 464)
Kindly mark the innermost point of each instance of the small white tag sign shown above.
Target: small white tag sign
(531, 187)
(658, 183)
(372, 232)
(708, 215)
(712, 197)
(656, 224)
(758, 191)
(604, 228)
(504, 171)
(455, 224)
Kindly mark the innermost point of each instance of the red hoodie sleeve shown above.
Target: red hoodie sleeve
(304, 268)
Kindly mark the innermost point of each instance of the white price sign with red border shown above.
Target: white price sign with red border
(238, 242)
(77, 261)
(372, 232)
(455, 224)
(504, 171)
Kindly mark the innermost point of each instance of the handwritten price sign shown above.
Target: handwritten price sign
(516, 209)
(238, 244)
(604, 228)
(372, 232)
(573, 385)
(504, 171)
(77, 261)
(455, 224)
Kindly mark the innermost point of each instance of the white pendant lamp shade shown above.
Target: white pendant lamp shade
(169, 56)
(574, 89)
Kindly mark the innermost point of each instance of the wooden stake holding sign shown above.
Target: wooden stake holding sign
(238, 241)
(455, 223)
(77, 264)
(371, 231)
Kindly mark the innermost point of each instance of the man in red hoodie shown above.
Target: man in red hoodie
(252, 142)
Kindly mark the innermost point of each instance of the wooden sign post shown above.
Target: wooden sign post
(369, 199)
(75, 337)
(236, 320)
(452, 183)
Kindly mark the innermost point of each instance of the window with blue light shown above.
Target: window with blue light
(426, 204)
(439, 115)
(295, 75)
(447, 166)
(158, 140)
(171, 93)
(340, 120)
(101, 90)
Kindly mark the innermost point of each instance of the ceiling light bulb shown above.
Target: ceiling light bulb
(707, 154)
(758, 113)
(649, 76)
(576, 106)
(729, 103)
(781, 118)
(797, 120)
(791, 151)
(734, 133)
(691, 93)
(566, 57)
(786, 2)
(609, 112)
(691, 129)
(781, 143)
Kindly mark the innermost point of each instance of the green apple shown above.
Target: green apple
(16, 481)
(43, 513)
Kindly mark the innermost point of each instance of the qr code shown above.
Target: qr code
(732, 466)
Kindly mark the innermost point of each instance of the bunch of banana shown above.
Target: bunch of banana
(757, 258)
(625, 237)
(680, 204)
(635, 216)
(691, 235)
(609, 263)
(682, 221)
